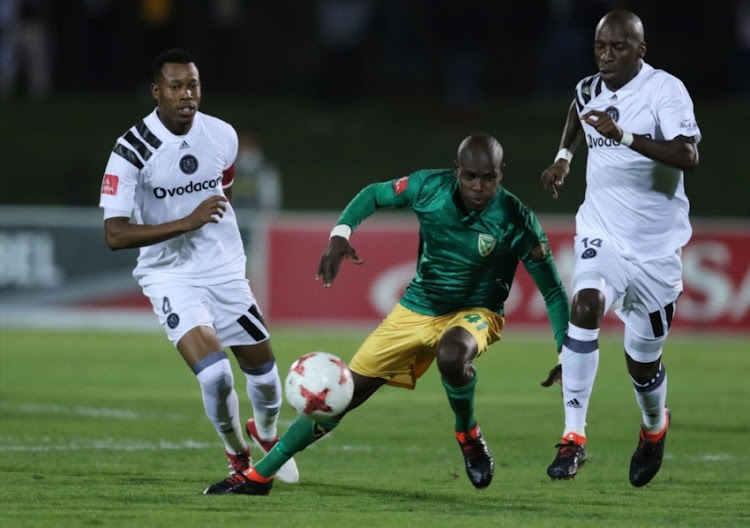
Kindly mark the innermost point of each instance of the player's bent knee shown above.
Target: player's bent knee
(641, 349)
(587, 308)
(452, 360)
(217, 377)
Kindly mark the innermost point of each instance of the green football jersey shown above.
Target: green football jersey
(465, 259)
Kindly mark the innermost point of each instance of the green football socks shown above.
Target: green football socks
(300, 434)
(461, 400)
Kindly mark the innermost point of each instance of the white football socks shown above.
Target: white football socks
(580, 360)
(222, 405)
(652, 398)
(264, 391)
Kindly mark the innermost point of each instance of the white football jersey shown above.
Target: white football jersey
(641, 204)
(154, 176)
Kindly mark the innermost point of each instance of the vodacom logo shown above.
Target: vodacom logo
(388, 287)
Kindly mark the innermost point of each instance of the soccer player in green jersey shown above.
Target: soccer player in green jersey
(473, 234)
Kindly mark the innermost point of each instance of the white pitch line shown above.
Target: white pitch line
(721, 457)
(86, 444)
(97, 412)
(48, 444)
(709, 457)
(89, 412)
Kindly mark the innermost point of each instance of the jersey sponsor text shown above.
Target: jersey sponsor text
(161, 192)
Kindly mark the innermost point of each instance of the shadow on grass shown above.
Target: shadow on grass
(476, 502)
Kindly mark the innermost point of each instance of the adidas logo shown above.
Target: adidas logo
(184, 145)
(573, 403)
(613, 98)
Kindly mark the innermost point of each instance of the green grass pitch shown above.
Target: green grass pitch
(107, 429)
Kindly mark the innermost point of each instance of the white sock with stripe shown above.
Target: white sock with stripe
(220, 400)
(651, 398)
(264, 391)
(580, 361)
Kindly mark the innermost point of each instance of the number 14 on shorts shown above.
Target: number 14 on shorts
(590, 252)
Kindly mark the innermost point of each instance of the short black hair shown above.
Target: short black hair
(480, 142)
(172, 55)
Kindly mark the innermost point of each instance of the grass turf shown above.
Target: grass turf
(107, 429)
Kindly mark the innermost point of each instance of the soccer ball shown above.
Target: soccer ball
(319, 385)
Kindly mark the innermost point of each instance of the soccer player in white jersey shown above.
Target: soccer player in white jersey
(172, 174)
(641, 132)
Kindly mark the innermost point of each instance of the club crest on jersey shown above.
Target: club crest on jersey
(613, 112)
(188, 164)
(486, 244)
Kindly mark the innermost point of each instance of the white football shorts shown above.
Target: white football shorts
(229, 308)
(648, 290)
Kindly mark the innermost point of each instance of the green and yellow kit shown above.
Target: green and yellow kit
(466, 260)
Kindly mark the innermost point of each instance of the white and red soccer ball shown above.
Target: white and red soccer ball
(319, 385)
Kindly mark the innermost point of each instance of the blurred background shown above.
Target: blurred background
(338, 93)
(330, 95)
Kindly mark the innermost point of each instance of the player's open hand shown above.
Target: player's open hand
(554, 376)
(554, 176)
(210, 210)
(337, 250)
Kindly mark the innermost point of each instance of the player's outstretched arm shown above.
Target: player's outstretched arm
(554, 176)
(338, 249)
(541, 266)
(119, 233)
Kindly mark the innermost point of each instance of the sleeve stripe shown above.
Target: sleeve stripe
(598, 86)
(138, 145)
(128, 154)
(579, 98)
(146, 134)
(584, 88)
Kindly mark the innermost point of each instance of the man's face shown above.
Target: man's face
(617, 54)
(178, 93)
(477, 183)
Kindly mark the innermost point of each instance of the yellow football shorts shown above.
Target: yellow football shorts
(403, 347)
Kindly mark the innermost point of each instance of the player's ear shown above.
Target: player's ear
(155, 91)
(641, 50)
